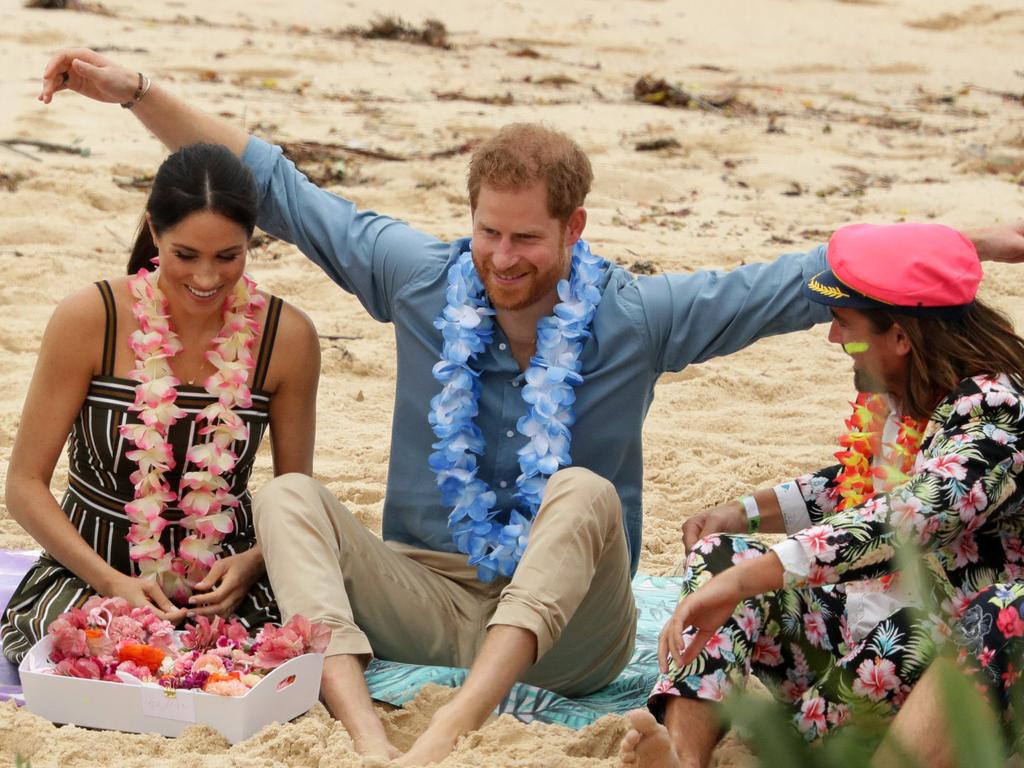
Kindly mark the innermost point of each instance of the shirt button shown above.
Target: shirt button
(510, 433)
(515, 382)
(503, 483)
(503, 346)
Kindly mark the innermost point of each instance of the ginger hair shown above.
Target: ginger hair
(521, 154)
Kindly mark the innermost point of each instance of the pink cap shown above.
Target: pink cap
(902, 266)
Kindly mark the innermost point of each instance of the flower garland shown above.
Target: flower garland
(203, 493)
(107, 636)
(495, 548)
(855, 483)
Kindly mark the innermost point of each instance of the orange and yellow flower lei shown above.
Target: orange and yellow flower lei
(855, 483)
(203, 493)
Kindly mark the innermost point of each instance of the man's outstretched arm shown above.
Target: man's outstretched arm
(170, 118)
(1004, 242)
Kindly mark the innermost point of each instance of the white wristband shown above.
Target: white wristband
(753, 513)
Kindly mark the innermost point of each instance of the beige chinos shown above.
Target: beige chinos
(397, 602)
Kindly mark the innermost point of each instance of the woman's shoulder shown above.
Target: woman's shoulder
(85, 309)
(296, 331)
(294, 325)
(296, 346)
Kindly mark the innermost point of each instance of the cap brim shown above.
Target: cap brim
(826, 288)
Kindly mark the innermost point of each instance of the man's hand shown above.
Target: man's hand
(228, 581)
(725, 518)
(142, 593)
(1003, 243)
(703, 613)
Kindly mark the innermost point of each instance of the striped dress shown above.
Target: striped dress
(99, 487)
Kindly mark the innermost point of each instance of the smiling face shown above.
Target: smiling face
(879, 359)
(519, 248)
(202, 257)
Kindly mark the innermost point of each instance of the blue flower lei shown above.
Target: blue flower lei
(495, 548)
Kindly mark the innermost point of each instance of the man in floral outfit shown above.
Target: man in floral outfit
(933, 460)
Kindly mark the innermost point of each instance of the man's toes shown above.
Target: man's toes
(643, 722)
(629, 741)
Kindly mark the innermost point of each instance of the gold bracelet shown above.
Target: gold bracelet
(141, 90)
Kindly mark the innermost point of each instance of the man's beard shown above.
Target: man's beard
(865, 382)
(540, 284)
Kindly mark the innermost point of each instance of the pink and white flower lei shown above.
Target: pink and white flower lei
(203, 492)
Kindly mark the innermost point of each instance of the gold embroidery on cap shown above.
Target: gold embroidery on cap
(826, 290)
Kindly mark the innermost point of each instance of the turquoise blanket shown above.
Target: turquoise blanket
(655, 599)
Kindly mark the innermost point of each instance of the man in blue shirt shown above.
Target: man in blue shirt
(514, 347)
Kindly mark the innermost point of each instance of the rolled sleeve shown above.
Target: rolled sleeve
(795, 562)
(794, 508)
(372, 256)
(693, 318)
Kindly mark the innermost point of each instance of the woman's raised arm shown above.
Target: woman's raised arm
(171, 119)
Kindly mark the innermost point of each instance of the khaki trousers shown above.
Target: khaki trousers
(399, 603)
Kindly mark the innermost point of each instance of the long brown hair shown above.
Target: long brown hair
(943, 352)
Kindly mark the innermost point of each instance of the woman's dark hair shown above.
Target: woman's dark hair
(944, 352)
(198, 177)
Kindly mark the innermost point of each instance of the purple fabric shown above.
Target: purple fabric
(13, 567)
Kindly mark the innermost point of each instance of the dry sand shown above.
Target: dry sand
(841, 111)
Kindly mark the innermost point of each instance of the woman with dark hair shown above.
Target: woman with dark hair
(166, 381)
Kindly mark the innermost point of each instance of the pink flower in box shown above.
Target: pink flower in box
(68, 639)
(276, 645)
(208, 662)
(232, 687)
(83, 667)
(126, 628)
(138, 670)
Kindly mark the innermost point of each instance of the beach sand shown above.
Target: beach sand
(805, 115)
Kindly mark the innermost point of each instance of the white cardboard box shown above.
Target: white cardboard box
(149, 708)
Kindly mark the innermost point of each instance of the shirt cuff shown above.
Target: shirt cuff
(795, 562)
(260, 157)
(793, 506)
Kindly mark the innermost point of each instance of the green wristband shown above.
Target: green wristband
(753, 513)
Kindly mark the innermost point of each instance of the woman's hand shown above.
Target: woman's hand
(704, 612)
(730, 517)
(144, 593)
(228, 581)
(86, 72)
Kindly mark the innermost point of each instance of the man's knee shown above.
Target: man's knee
(284, 495)
(587, 493)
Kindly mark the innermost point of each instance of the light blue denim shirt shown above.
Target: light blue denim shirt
(643, 327)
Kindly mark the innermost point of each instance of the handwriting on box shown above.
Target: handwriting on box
(166, 703)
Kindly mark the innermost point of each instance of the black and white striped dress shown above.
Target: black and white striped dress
(99, 487)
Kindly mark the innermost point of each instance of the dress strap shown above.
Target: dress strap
(110, 329)
(267, 344)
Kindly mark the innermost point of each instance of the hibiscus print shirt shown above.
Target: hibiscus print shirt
(961, 505)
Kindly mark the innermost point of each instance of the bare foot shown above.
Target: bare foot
(438, 741)
(343, 691)
(647, 744)
(376, 748)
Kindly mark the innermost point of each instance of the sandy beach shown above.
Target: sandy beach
(791, 117)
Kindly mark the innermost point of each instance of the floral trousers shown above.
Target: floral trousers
(798, 643)
(990, 636)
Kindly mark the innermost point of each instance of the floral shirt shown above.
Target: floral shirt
(961, 505)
